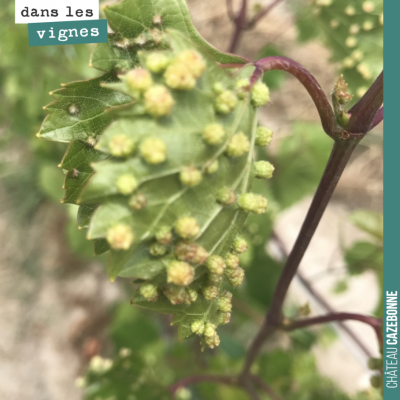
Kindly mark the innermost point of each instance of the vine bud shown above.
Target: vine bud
(187, 227)
(158, 101)
(264, 169)
(226, 196)
(137, 202)
(121, 145)
(176, 295)
(197, 327)
(216, 264)
(213, 134)
(164, 235)
(235, 276)
(186, 251)
(259, 94)
(194, 61)
(251, 202)
(178, 76)
(153, 150)
(224, 318)
(190, 176)
(238, 145)
(231, 261)
(210, 292)
(376, 381)
(138, 80)
(158, 250)
(263, 136)
(340, 92)
(192, 294)
(210, 330)
(226, 102)
(126, 184)
(120, 237)
(375, 363)
(157, 62)
(239, 245)
(212, 168)
(180, 273)
(149, 291)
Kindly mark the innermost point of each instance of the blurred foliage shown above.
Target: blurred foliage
(353, 32)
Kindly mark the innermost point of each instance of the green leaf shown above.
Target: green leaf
(299, 163)
(131, 18)
(363, 256)
(78, 112)
(369, 221)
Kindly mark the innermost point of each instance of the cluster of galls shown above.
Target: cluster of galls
(376, 364)
(207, 330)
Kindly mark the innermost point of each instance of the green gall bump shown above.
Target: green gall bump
(73, 110)
(231, 261)
(149, 292)
(368, 25)
(263, 169)
(91, 141)
(213, 134)
(157, 20)
(218, 88)
(351, 42)
(120, 237)
(192, 293)
(239, 245)
(176, 295)
(137, 202)
(210, 330)
(158, 101)
(224, 304)
(235, 276)
(178, 76)
(226, 102)
(350, 11)
(243, 87)
(368, 6)
(153, 151)
(251, 202)
(216, 264)
(226, 196)
(121, 145)
(214, 279)
(201, 255)
(164, 235)
(187, 227)
(259, 94)
(238, 145)
(186, 251)
(126, 184)
(210, 292)
(194, 61)
(180, 273)
(197, 327)
(190, 176)
(224, 318)
(158, 250)
(138, 80)
(212, 168)
(157, 62)
(263, 136)
(213, 341)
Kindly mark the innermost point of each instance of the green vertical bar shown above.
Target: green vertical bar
(391, 162)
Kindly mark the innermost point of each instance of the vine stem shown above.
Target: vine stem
(337, 162)
(375, 323)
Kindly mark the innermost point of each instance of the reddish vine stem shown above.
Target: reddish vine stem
(375, 323)
(378, 118)
(314, 89)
